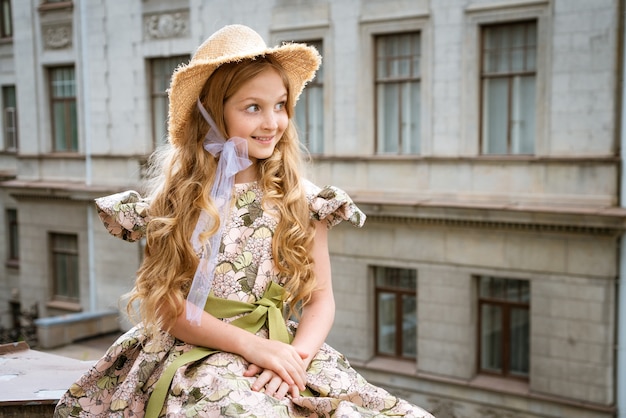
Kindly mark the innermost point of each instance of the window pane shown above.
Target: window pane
(388, 110)
(399, 278)
(491, 338)
(409, 326)
(387, 323)
(518, 48)
(60, 127)
(495, 115)
(160, 108)
(523, 115)
(410, 118)
(309, 114)
(524, 291)
(60, 133)
(315, 128)
(9, 105)
(504, 289)
(63, 82)
(73, 126)
(519, 342)
(8, 96)
(13, 239)
(492, 287)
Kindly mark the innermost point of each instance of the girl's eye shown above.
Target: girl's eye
(280, 106)
(252, 108)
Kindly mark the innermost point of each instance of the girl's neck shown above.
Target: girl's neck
(248, 175)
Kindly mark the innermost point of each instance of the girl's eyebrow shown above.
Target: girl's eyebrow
(258, 99)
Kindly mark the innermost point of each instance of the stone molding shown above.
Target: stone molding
(57, 36)
(165, 25)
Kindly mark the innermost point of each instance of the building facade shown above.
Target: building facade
(482, 138)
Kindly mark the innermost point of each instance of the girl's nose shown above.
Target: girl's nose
(270, 121)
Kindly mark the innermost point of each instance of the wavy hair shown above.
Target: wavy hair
(180, 180)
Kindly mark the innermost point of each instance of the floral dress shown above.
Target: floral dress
(121, 383)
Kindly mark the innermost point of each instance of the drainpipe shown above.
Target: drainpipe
(87, 135)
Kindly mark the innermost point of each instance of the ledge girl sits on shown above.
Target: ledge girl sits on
(233, 233)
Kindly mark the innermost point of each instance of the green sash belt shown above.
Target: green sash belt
(265, 311)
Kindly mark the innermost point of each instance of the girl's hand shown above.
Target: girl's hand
(284, 360)
(271, 382)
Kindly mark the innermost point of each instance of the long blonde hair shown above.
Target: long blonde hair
(180, 182)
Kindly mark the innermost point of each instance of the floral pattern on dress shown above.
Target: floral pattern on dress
(120, 383)
(124, 215)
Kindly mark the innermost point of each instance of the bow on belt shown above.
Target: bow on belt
(267, 310)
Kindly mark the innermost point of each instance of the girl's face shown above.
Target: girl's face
(257, 113)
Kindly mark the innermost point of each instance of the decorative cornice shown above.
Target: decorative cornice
(44, 7)
(498, 225)
(41, 198)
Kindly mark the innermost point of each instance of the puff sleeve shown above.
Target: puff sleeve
(124, 215)
(333, 205)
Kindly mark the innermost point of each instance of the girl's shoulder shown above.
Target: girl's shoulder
(332, 204)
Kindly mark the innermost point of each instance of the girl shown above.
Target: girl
(233, 236)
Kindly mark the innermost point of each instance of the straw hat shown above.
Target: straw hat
(234, 43)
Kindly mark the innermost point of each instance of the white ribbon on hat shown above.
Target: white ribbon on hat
(233, 159)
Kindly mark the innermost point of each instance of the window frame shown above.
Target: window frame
(67, 102)
(478, 15)
(506, 307)
(365, 96)
(400, 82)
(509, 76)
(399, 329)
(72, 283)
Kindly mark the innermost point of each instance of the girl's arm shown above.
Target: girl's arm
(317, 315)
(315, 322)
(283, 359)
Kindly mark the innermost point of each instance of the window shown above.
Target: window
(13, 243)
(508, 80)
(161, 74)
(398, 93)
(6, 24)
(63, 98)
(64, 256)
(396, 312)
(310, 110)
(9, 118)
(504, 326)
